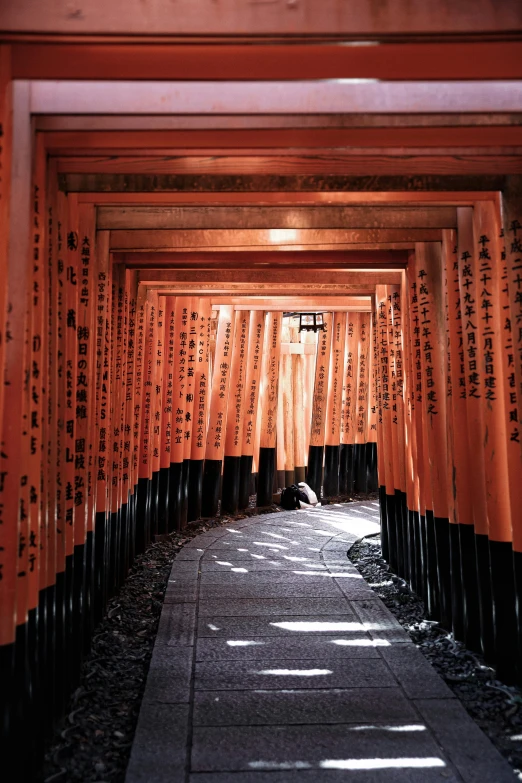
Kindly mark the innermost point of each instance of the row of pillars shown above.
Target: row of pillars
(125, 416)
(449, 449)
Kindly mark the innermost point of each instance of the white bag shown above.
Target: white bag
(312, 497)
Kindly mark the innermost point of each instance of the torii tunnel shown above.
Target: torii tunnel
(180, 194)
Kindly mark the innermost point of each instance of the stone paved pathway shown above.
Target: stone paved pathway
(276, 663)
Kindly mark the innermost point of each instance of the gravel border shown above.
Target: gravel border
(494, 706)
(93, 741)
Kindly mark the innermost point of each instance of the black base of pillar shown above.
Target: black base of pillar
(470, 603)
(184, 492)
(195, 489)
(163, 501)
(384, 524)
(487, 636)
(142, 515)
(391, 524)
(346, 469)
(100, 566)
(253, 484)
(373, 483)
(400, 527)
(175, 488)
(88, 613)
(154, 502)
(47, 619)
(314, 472)
(289, 478)
(442, 543)
(230, 485)
(433, 597)
(517, 568)
(124, 543)
(331, 471)
(457, 618)
(78, 610)
(211, 483)
(299, 474)
(412, 580)
(245, 481)
(59, 652)
(265, 476)
(507, 662)
(279, 480)
(423, 539)
(360, 462)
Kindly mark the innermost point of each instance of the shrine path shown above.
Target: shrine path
(275, 662)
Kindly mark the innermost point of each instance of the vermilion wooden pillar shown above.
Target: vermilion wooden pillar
(256, 336)
(218, 412)
(474, 387)
(371, 436)
(234, 426)
(349, 403)
(267, 450)
(314, 473)
(200, 410)
(177, 485)
(433, 344)
(361, 408)
(334, 407)
(488, 270)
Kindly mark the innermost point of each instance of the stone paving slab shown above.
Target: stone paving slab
(299, 647)
(356, 705)
(269, 606)
(275, 674)
(330, 776)
(276, 663)
(258, 747)
(277, 624)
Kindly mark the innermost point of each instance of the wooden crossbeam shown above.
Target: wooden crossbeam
(148, 183)
(157, 60)
(172, 217)
(244, 238)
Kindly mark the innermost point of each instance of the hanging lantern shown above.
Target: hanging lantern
(311, 322)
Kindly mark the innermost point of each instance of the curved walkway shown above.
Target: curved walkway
(275, 662)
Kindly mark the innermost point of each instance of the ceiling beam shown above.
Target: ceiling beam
(148, 183)
(172, 217)
(287, 259)
(160, 61)
(272, 278)
(251, 238)
(331, 96)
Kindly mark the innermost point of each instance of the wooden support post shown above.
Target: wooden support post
(314, 475)
(488, 271)
(101, 422)
(371, 434)
(300, 423)
(432, 313)
(334, 407)
(347, 432)
(361, 413)
(200, 411)
(178, 487)
(279, 473)
(256, 336)
(218, 412)
(167, 418)
(474, 387)
(235, 408)
(159, 424)
(512, 405)
(85, 393)
(267, 452)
